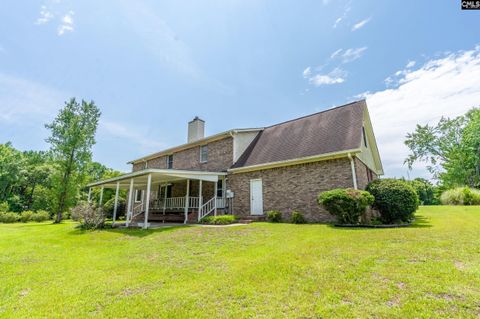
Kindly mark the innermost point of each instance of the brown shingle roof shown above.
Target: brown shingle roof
(333, 130)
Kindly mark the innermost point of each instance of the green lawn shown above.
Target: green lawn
(430, 270)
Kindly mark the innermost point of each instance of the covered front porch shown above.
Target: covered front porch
(167, 195)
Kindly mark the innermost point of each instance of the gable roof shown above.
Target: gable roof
(327, 132)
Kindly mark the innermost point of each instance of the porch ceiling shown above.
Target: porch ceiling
(159, 176)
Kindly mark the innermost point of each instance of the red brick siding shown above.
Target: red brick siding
(220, 158)
(361, 170)
(292, 188)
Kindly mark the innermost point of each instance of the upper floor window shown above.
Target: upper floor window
(364, 137)
(203, 153)
(170, 161)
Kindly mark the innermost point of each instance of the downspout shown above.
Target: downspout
(354, 174)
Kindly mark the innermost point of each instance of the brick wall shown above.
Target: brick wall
(220, 158)
(361, 170)
(292, 188)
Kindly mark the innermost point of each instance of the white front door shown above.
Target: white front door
(256, 197)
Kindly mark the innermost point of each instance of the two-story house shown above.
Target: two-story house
(247, 172)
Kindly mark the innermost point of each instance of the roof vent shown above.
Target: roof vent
(196, 129)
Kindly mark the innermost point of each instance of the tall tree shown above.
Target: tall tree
(451, 149)
(71, 141)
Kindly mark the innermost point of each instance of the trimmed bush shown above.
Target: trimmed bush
(395, 199)
(461, 196)
(219, 220)
(348, 205)
(298, 218)
(274, 216)
(9, 217)
(41, 216)
(26, 216)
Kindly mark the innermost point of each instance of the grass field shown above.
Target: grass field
(430, 270)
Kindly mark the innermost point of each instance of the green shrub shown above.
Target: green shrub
(274, 216)
(395, 199)
(3, 207)
(109, 205)
(41, 216)
(298, 218)
(26, 216)
(219, 220)
(461, 196)
(346, 204)
(9, 217)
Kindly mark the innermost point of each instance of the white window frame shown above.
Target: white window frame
(168, 161)
(136, 195)
(202, 160)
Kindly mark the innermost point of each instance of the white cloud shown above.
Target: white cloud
(67, 24)
(343, 16)
(132, 134)
(307, 72)
(45, 16)
(336, 76)
(360, 24)
(410, 64)
(441, 87)
(27, 102)
(348, 55)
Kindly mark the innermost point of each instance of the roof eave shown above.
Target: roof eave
(295, 161)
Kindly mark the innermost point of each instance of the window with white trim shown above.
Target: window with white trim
(170, 161)
(138, 195)
(203, 153)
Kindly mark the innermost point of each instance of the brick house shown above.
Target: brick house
(247, 172)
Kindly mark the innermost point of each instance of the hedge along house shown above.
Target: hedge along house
(247, 172)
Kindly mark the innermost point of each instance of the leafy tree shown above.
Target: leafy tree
(425, 190)
(11, 170)
(71, 140)
(451, 149)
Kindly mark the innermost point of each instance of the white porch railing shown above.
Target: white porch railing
(207, 208)
(173, 203)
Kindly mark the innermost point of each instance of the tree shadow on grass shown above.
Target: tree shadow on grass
(133, 232)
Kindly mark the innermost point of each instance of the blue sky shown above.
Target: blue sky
(151, 66)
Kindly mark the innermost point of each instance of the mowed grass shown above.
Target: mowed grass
(430, 270)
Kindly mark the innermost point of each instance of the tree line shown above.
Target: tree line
(54, 180)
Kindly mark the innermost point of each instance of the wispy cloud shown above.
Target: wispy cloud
(410, 64)
(23, 101)
(67, 24)
(131, 133)
(440, 87)
(336, 76)
(45, 15)
(343, 16)
(360, 24)
(348, 55)
(64, 20)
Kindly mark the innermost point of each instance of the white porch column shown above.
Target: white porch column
(100, 201)
(215, 200)
(147, 200)
(200, 198)
(129, 204)
(89, 195)
(187, 201)
(116, 203)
